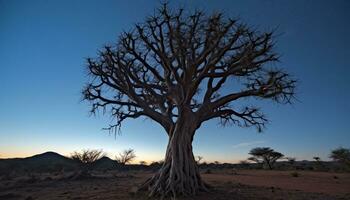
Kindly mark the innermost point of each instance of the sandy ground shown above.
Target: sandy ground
(248, 184)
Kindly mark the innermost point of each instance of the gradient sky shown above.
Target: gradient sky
(42, 49)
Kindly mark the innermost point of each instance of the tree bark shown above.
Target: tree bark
(179, 174)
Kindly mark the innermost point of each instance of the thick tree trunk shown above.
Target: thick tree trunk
(179, 174)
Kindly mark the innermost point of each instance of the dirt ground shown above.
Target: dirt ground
(226, 184)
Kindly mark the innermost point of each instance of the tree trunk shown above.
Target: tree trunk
(179, 174)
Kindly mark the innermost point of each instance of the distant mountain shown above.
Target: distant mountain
(49, 161)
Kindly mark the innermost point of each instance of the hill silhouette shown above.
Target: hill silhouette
(105, 163)
(54, 162)
(45, 162)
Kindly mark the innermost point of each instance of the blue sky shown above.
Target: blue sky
(42, 49)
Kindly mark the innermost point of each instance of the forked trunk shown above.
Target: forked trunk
(179, 174)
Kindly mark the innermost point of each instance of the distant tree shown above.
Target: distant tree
(318, 163)
(126, 157)
(143, 162)
(176, 69)
(216, 162)
(265, 155)
(341, 155)
(317, 159)
(87, 156)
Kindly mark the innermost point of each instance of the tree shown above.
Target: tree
(181, 70)
(265, 155)
(126, 156)
(86, 158)
(318, 165)
(341, 155)
(317, 159)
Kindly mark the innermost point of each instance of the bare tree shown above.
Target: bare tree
(181, 70)
(265, 155)
(87, 156)
(126, 156)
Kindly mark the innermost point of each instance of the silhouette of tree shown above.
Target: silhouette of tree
(318, 165)
(341, 155)
(126, 156)
(317, 159)
(177, 69)
(86, 158)
(265, 155)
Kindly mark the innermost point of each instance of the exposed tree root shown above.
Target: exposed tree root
(179, 175)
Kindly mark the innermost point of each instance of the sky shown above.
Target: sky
(43, 46)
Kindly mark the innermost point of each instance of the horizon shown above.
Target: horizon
(43, 50)
(136, 161)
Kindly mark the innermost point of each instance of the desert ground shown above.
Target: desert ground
(226, 184)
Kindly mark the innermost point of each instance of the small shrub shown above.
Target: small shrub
(295, 174)
(335, 177)
(208, 171)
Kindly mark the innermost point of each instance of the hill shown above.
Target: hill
(46, 162)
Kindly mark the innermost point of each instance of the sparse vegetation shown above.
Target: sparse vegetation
(87, 156)
(341, 155)
(126, 156)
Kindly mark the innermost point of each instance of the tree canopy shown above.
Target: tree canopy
(178, 60)
(265, 155)
(342, 155)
